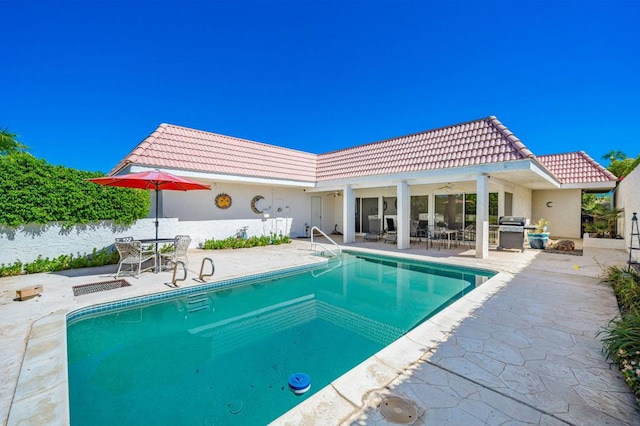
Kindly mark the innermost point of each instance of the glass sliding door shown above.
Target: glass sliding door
(419, 207)
(449, 211)
(366, 208)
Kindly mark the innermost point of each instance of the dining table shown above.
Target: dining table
(156, 242)
(449, 233)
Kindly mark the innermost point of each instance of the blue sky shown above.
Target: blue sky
(82, 83)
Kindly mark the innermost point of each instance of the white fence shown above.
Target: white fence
(26, 243)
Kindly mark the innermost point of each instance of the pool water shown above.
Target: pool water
(225, 357)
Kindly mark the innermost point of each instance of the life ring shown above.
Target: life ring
(254, 201)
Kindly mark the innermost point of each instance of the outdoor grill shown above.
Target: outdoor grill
(511, 232)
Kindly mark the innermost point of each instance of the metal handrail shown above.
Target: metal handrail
(337, 265)
(313, 244)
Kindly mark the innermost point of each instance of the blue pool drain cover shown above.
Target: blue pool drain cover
(299, 383)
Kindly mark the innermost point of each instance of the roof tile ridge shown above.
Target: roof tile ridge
(508, 134)
(560, 154)
(597, 165)
(239, 139)
(135, 153)
(423, 132)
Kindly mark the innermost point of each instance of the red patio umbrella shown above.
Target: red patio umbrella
(155, 179)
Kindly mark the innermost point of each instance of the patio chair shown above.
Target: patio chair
(374, 230)
(436, 236)
(178, 252)
(391, 235)
(413, 230)
(467, 235)
(422, 230)
(132, 256)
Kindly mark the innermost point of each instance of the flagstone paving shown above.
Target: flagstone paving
(520, 350)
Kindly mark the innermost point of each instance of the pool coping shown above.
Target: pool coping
(355, 391)
(41, 394)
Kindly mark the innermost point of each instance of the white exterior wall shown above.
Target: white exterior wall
(27, 243)
(628, 197)
(288, 208)
(564, 215)
(200, 219)
(521, 202)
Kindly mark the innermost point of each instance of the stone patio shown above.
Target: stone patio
(520, 349)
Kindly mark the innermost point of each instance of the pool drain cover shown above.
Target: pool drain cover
(398, 410)
(79, 290)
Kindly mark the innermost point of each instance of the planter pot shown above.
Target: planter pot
(538, 241)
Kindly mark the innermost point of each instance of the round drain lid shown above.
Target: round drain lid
(398, 410)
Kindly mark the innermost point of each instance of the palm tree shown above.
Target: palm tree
(614, 155)
(8, 142)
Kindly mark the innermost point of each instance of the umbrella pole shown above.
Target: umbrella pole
(157, 211)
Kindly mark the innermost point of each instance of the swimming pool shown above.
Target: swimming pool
(224, 356)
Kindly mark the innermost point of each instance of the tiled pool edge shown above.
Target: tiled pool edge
(42, 392)
(171, 294)
(347, 397)
(49, 403)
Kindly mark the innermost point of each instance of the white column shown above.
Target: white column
(403, 193)
(348, 215)
(431, 217)
(482, 217)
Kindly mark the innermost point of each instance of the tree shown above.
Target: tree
(619, 164)
(614, 155)
(9, 144)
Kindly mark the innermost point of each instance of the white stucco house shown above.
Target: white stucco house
(469, 173)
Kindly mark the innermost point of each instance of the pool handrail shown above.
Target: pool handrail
(313, 243)
(337, 265)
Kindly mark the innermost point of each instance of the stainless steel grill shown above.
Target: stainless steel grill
(511, 232)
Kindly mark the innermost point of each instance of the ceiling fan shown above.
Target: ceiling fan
(450, 187)
(334, 194)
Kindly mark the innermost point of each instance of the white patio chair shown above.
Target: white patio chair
(179, 252)
(132, 256)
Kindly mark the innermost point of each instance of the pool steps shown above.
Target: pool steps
(198, 302)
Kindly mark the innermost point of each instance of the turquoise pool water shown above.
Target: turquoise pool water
(225, 356)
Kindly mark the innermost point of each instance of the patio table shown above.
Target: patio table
(155, 242)
(449, 233)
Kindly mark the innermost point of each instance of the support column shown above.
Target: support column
(403, 194)
(482, 217)
(348, 215)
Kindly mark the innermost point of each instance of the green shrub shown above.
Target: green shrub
(11, 270)
(33, 191)
(622, 345)
(621, 339)
(61, 263)
(625, 283)
(236, 243)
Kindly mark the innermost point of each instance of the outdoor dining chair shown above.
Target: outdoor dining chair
(467, 235)
(179, 252)
(133, 256)
(438, 236)
(391, 234)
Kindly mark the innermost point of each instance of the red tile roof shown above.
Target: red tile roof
(183, 148)
(576, 167)
(473, 143)
(476, 142)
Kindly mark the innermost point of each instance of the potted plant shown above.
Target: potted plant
(539, 237)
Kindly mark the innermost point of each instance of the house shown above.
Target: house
(468, 173)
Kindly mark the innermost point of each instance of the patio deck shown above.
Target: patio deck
(521, 348)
